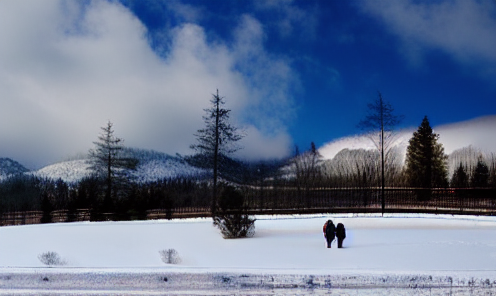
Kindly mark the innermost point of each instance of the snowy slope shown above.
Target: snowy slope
(156, 169)
(70, 171)
(152, 166)
(478, 133)
(10, 167)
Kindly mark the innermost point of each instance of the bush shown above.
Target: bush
(170, 256)
(235, 225)
(51, 259)
(232, 218)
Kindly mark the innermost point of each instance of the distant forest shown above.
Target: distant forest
(296, 179)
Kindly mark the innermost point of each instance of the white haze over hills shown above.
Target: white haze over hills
(479, 133)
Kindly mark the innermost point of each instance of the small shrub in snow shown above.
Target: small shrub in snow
(232, 218)
(170, 256)
(235, 225)
(51, 259)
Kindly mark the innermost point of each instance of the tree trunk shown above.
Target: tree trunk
(216, 156)
(383, 181)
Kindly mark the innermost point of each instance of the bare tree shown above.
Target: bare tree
(217, 140)
(379, 125)
(307, 167)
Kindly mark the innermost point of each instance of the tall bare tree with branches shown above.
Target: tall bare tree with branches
(379, 124)
(217, 140)
(307, 168)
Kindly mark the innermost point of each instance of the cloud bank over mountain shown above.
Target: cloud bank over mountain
(67, 67)
(479, 132)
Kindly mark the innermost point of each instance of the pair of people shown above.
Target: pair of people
(331, 231)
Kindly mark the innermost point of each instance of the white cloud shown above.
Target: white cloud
(185, 11)
(479, 132)
(274, 145)
(464, 29)
(66, 68)
(270, 80)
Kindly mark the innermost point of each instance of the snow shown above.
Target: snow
(70, 171)
(477, 132)
(159, 169)
(428, 249)
(148, 170)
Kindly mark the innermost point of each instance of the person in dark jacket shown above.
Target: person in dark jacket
(329, 232)
(340, 234)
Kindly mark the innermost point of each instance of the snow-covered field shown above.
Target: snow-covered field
(392, 255)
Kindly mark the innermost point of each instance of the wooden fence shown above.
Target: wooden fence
(482, 201)
(290, 200)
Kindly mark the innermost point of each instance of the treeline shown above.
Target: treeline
(350, 168)
(23, 193)
(131, 198)
(304, 174)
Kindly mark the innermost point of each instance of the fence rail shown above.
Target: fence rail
(290, 200)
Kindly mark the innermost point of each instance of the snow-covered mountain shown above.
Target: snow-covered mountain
(70, 171)
(10, 167)
(479, 132)
(152, 166)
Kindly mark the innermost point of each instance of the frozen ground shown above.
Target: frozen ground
(394, 255)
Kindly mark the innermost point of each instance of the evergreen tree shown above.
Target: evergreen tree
(217, 140)
(480, 177)
(46, 208)
(460, 178)
(61, 194)
(232, 219)
(108, 162)
(426, 163)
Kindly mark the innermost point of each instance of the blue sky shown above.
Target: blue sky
(343, 52)
(293, 72)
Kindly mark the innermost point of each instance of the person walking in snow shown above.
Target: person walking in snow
(340, 234)
(329, 232)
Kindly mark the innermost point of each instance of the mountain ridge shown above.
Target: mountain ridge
(154, 165)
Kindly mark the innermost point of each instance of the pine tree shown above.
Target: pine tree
(108, 162)
(46, 208)
(460, 178)
(426, 163)
(480, 177)
(217, 140)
